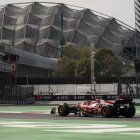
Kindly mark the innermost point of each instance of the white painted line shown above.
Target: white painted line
(10, 112)
(74, 128)
(96, 130)
(130, 133)
(24, 112)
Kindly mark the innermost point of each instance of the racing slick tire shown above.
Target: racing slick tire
(107, 111)
(128, 112)
(63, 110)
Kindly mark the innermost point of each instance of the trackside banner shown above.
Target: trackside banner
(72, 97)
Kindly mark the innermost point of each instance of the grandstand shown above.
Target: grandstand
(33, 31)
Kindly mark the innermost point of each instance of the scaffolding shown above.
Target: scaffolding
(93, 82)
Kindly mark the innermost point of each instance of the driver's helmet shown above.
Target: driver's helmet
(97, 99)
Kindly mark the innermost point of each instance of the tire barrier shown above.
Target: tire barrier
(17, 102)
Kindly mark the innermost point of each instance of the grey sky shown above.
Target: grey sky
(123, 10)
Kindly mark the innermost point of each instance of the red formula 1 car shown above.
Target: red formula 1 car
(123, 106)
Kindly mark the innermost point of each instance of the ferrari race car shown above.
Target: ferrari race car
(123, 106)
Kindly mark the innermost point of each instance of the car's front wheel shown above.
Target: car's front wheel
(63, 110)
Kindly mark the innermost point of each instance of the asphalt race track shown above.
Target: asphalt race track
(57, 117)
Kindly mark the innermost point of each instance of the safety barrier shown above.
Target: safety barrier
(72, 97)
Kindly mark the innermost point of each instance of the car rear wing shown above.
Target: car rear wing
(124, 100)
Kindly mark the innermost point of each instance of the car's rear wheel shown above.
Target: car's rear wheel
(63, 110)
(107, 111)
(128, 112)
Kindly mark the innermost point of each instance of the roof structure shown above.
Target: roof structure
(36, 28)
